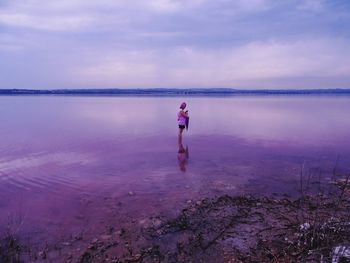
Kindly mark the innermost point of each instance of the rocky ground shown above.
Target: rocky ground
(312, 228)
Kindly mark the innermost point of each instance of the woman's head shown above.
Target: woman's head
(183, 105)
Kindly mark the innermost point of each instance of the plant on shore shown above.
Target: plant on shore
(10, 249)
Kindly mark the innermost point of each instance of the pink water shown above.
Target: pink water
(72, 164)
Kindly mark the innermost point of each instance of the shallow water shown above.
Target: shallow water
(70, 164)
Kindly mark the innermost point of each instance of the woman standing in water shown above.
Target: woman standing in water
(182, 118)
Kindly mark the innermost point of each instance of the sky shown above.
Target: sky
(246, 44)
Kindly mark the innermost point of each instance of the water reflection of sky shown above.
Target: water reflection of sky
(60, 148)
(301, 119)
(32, 124)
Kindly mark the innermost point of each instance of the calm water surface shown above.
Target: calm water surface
(70, 164)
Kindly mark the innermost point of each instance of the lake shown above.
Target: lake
(72, 165)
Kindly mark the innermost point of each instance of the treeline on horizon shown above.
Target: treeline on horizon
(169, 92)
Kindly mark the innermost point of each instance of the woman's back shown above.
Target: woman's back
(181, 117)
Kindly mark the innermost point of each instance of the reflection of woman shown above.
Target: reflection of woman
(182, 157)
(182, 117)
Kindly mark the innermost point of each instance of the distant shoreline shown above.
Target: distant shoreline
(172, 92)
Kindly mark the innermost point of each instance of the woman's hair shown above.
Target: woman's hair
(183, 105)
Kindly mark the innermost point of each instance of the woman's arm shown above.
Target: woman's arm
(184, 114)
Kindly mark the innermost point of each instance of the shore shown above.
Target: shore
(243, 228)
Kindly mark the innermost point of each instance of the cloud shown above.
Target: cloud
(174, 43)
(126, 68)
(312, 5)
(64, 16)
(58, 23)
(229, 67)
(79, 14)
(8, 43)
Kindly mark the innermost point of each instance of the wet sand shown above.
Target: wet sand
(313, 227)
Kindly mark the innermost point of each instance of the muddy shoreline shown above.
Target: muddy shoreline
(243, 228)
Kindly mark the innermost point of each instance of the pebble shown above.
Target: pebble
(142, 222)
(157, 222)
(78, 237)
(91, 247)
(42, 255)
(305, 226)
(106, 237)
(117, 233)
(66, 243)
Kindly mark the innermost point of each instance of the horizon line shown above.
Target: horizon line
(173, 92)
(174, 89)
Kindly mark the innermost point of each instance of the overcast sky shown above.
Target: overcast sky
(174, 43)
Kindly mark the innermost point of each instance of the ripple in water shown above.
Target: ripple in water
(73, 162)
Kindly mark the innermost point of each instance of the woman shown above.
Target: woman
(182, 117)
